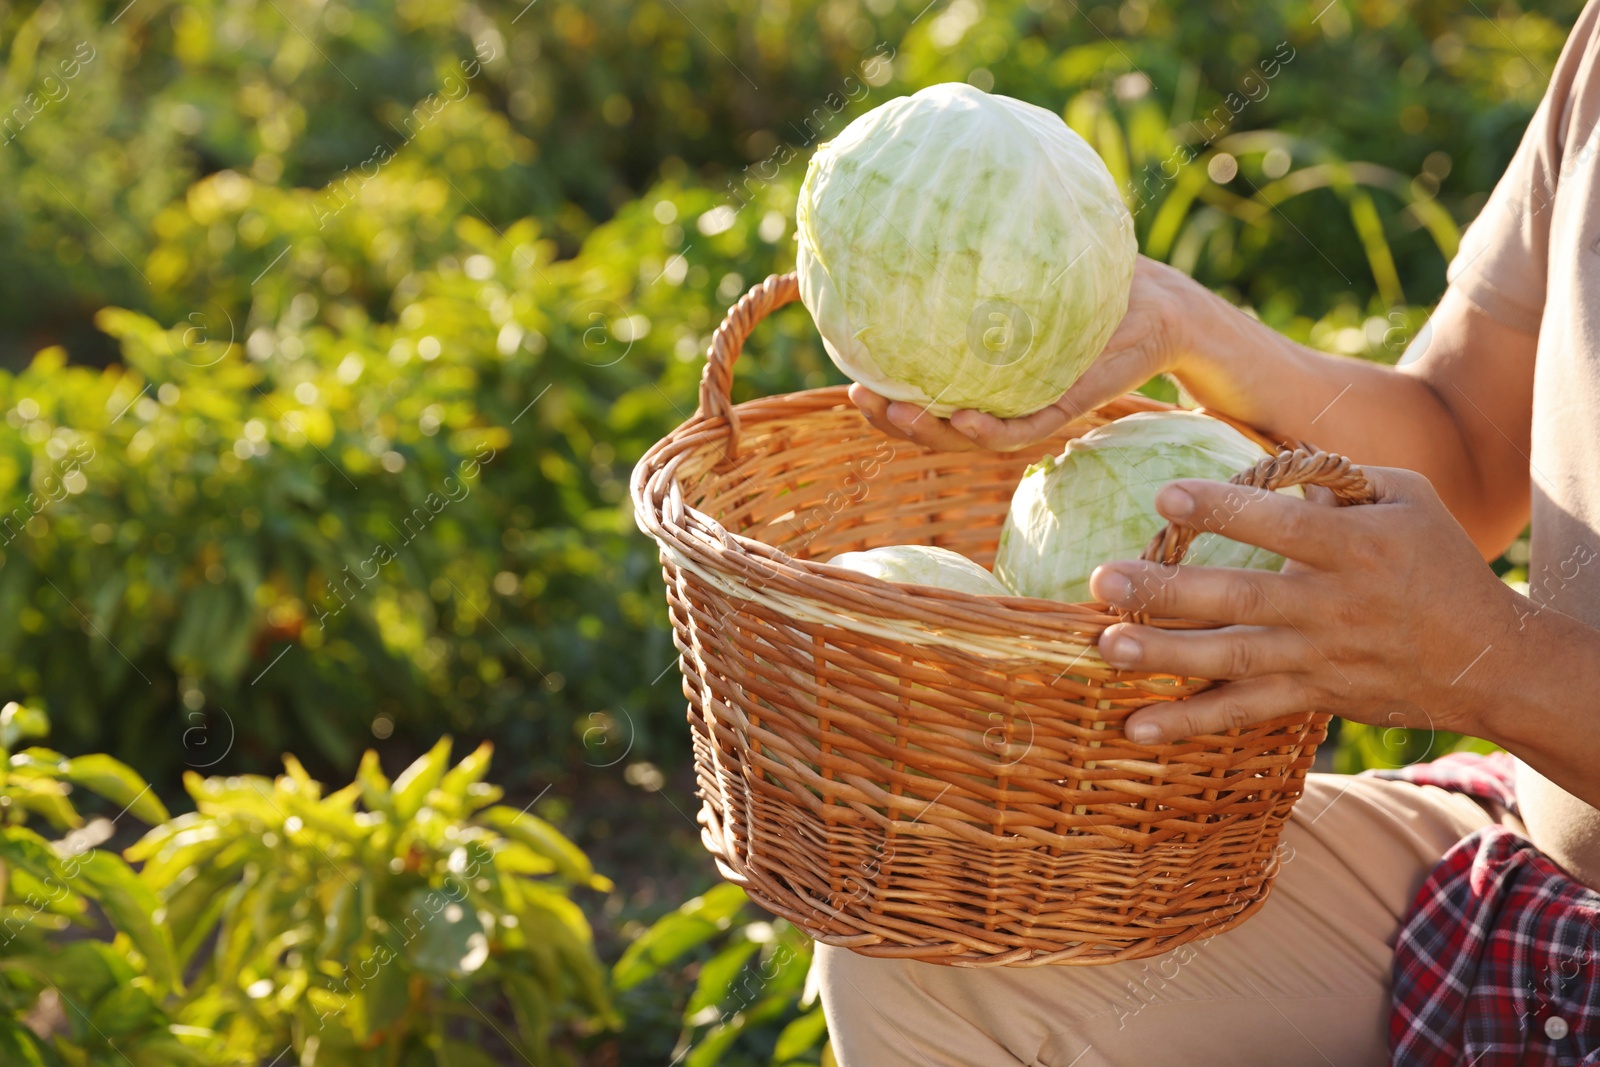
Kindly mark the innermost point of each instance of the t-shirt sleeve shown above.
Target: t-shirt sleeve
(1503, 262)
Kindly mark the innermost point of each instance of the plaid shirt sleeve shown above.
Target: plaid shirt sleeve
(1497, 963)
(1489, 778)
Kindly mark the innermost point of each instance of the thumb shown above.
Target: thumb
(1396, 485)
(1114, 372)
(1008, 435)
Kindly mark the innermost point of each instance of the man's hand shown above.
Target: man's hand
(1146, 343)
(1386, 614)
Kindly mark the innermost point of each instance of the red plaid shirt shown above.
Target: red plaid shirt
(1497, 963)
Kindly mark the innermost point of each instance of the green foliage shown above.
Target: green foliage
(1378, 747)
(393, 295)
(735, 984)
(424, 519)
(408, 922)
(378, 372)
(332, 331)
(85, 1001)
(414, 921)
(359, 253)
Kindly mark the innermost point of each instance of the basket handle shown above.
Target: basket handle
(716, 381)
(1300, 466)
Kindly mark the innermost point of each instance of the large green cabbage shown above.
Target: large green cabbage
(923, 565)
(963, 250)
(1095, 502)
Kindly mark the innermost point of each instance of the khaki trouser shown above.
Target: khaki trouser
(1306, 981)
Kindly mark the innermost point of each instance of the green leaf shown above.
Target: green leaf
(443, 937)
(461, 1054)
(131, 906)
(385, 995)
(711, 1048)
(122, 1011)
(669, 938)
(532, 1012)
(800, 1036)
(192, 912)
(343, 922)
(39, 761)
(374, 786)
(21, 847)
(37, 899)
(119, 784)
(168, 1052)
(304, 784)
(47, 798)
(574, 960)
(411, 789)
(245, 796)
(468, 772)
(694, 923)
(18, 721)
(87, 970)
(18, 1046)
(769, 1008)
(513, 857)
(546, 840)
(717, 975)
(169, 861)
(787, 961)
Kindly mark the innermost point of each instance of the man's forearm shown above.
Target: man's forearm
(1534, 694)
(1424, 420)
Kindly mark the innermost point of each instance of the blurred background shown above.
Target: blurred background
(330, 331)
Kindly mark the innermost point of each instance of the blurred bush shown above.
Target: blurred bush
(319, 530)
(390, 296)
(84, 963)
(329, 331)
(407, 922)
(731, 985)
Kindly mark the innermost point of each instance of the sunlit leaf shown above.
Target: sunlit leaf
(535, 833)
(411, 789)
(130, 905)
(801, 1036)
(119, 784)
(717, 975)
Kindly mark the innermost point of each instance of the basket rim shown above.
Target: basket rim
(684, 533)
(1018, 610)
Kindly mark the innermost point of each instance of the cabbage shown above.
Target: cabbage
(923, 565)
(963, 250)
(1095, 502)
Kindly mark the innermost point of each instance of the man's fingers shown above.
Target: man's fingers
(1231, 652)
(1294, 528)
(1395, 485)
(1229, 595)
(876, 410)
(928, 430)
(1114, 373)
(964, 431)
(1234, 705)
(907, 421)
(1008, 435)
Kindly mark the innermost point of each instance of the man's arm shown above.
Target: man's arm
(1461, 414)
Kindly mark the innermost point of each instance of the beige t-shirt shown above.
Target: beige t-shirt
(1532, 261)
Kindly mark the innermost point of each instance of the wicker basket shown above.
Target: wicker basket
(917, 772)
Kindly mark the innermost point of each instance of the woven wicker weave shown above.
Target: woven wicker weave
(917, 772)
